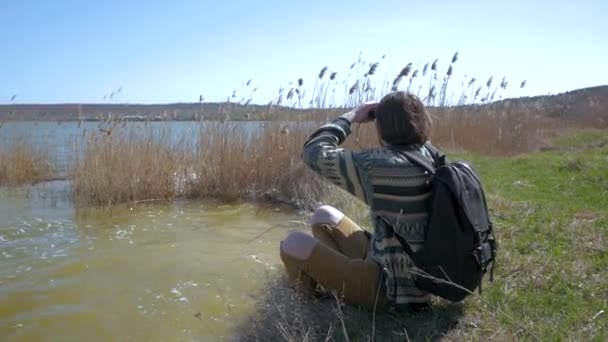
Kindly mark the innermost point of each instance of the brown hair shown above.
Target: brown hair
(402, 119)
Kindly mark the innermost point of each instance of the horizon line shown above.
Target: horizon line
(256, 104)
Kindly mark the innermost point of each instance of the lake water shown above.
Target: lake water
(158, 271)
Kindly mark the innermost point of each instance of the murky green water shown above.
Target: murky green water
(150, 272)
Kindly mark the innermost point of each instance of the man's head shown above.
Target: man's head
(401, 119)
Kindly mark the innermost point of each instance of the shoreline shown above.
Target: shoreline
(579, 104)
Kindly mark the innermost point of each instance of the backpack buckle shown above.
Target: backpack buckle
(484, 254)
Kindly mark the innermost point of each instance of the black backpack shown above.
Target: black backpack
(459, 241)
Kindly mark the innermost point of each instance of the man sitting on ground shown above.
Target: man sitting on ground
(366, 269)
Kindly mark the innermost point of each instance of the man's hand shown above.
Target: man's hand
(361, 114)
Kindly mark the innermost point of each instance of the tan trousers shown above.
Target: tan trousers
(340, 262)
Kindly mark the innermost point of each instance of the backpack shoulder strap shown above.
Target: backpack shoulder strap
(438, 156)
(419, 159)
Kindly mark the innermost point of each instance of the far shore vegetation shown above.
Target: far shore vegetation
(543, 162)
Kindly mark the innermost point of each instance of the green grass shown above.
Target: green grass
(551, 211)
(551, 215)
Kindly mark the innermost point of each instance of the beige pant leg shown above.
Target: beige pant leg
(346, 237)
(357, 281)
(338, 262)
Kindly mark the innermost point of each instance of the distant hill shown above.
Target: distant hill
(588, 104)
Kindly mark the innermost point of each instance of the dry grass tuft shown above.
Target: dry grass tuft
(493, 132)
(285, 314)
(127, 166)
(235, 162)
(229, 161)
(22, 163)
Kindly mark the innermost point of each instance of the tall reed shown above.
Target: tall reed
(226, 160)
(360, 84)
(21, 162)
(235, 162)
(126, 165)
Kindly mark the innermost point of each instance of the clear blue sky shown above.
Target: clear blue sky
(172, 51)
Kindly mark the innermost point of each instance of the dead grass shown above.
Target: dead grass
(285, 314)
(123, 165)
(228, 161)
(235, 161)
(21, 163)
(493, 133)
(261, 160)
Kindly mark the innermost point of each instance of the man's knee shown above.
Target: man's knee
(298, 245)
(326, 215)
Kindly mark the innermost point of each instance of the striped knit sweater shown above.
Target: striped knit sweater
(396, 191)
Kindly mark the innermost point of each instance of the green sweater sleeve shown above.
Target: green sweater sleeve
(322, 153)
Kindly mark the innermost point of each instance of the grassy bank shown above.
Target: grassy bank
(21, 162)
(550, 282)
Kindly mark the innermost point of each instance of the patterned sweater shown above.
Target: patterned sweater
(396, 191)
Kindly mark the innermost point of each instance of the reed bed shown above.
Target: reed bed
(496, 133)
(226, 160)
(21, 162)
(233, 161)
(122, 165)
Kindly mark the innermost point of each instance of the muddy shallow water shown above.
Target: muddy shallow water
(151, 271)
